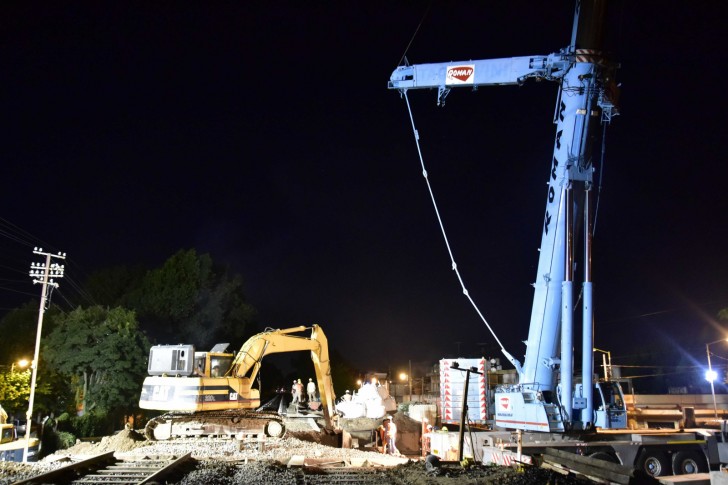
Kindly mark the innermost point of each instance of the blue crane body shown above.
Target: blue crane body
(547, 398)
(549, 407)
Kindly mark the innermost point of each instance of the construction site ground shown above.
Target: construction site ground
(303, 452)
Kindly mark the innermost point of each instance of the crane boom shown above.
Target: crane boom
(486, 72)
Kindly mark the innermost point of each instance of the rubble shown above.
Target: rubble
(264, 461)
(370, 401)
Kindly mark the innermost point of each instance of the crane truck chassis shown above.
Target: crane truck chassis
(211, 393)
(550, 406)
(656, 453)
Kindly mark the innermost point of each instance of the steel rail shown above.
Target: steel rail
(107, 469)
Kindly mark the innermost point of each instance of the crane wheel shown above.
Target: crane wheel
(654, 463)
(689, 462)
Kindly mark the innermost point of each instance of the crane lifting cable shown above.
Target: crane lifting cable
(442, 226)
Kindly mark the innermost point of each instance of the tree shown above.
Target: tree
(190, 299)
(15, 391)
(19, 327)
(102, 353)
(112, 286)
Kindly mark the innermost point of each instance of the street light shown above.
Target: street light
(22, 363)
(711, 375)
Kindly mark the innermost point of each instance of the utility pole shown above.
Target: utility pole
(42, 273)
(464, 410)
(409, 377)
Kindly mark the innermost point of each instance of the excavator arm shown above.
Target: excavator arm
(248, 360)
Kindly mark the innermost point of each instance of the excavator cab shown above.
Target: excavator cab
(215, 363)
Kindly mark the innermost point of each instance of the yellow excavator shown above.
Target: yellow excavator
(211, 393)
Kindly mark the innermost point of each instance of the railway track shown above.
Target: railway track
(107, 469)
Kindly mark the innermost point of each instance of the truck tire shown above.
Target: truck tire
(689, 462)
(654, 463)
(605, 456)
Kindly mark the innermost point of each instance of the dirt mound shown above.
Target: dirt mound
(125, 440)
(359, 424)
(405, 424)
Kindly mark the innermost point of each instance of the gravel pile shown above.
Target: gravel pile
(11, 472)
(253, 473)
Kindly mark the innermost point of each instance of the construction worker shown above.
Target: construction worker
(294, 392)
(347, 396)
(382, 435)
(311, 390)
(299, 390)
(391, 435)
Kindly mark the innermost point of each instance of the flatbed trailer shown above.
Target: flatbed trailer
(654, 452)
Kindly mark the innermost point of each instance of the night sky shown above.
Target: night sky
(264, 134)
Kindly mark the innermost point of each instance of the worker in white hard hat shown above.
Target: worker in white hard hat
(311, 390)
(346, 396)
(294, 392)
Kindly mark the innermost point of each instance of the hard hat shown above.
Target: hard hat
(444, 428)
(347, 391)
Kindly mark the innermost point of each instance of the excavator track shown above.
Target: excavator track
(215, 423)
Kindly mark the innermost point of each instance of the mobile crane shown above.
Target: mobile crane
(549, 406)
(586, 96)
(211, 393)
